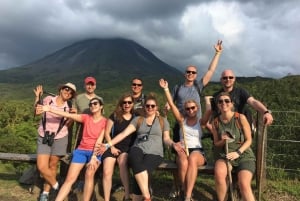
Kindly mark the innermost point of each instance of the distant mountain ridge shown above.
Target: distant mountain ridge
(111, 61)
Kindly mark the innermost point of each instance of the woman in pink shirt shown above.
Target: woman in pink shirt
(52, 138)
(93, 131)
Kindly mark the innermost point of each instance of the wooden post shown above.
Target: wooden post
(261, 157)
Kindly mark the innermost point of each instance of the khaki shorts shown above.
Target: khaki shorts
(58, 148)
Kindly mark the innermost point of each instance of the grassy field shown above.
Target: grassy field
(281, 190)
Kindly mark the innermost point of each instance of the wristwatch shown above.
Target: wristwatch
(268, 111)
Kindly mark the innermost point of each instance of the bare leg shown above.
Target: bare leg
(244, 181)
(124, 173)
(108, 170)
(89, 183)
(72, 175)
(220, 179)
(47, 166)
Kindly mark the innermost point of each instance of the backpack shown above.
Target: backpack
(141, 118)
(237, 122)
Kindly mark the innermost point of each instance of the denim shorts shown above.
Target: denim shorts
(82, 156)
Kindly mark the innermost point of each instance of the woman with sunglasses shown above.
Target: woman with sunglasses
(227, 134)
(146, 154)
(93, 132)
(190, 141)
(52, 135)
(117, 122)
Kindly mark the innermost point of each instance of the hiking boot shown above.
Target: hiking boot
(44, 197)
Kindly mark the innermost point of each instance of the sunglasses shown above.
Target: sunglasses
(150, 106)
(93, 103)
(227, 77)
(127, 102)
(224, 101)
(190, 108)
(191, 72)
(68, 89)
(136, 84)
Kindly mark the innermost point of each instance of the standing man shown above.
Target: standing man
(82, 100)
(190, 90)
(138, 96)
(241, 98)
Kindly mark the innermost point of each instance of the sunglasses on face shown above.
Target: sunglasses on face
(150, 106)
(224, 101)
(93, 103)
(136, 84)
(127, 102)
(190, 72)
(190, 108)
(227, 77)
(68, 89)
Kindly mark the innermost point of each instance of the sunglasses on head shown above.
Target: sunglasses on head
(93, 103)
(224, 101)
(227, 77)
(136, 84)
(150, 106)
(190, 108)
(191, 72)
(127, 102)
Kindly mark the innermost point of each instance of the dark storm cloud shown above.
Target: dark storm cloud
(257, 35)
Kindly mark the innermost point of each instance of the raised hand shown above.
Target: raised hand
(38, 91)
(218, 46)
(163, 84)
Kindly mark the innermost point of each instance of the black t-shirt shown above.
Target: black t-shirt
(239, 97)
(117, 128)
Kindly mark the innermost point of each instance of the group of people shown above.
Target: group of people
(135, 133)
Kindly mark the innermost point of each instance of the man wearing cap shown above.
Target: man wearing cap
(53, 132)
(82, 100)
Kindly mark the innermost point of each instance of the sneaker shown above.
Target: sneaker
(174, 193)
(44, 197)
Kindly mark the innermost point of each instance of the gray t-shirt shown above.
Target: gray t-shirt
(185, 93)
(154, 144)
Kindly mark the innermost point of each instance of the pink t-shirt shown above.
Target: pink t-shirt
(91, 131)
(53, 120)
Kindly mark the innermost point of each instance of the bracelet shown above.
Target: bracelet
(110, 144)
(218, 52)
(166, 89)
(107, 146)
(239, 152)
(268, 111)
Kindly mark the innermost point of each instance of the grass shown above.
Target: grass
(282, 189)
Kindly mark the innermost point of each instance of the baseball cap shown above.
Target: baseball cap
(90, 79)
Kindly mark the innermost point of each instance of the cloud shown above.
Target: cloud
(260, 37)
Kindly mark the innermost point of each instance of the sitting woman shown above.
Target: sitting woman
(117, 122)
(189, 151)
(93, 131)
(147, 152)
(237, 138)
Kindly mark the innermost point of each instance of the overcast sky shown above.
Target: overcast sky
(260, 37)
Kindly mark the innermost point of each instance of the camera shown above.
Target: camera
(143, 137)
(48, 138)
